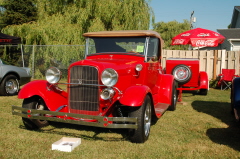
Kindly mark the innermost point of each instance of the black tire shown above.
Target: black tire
(34, 103)
(236, 114)
(144, 115)
(179, 76)
(235, 99)
(9, 86)
(234, 111)
(172, 107)
(203, 92)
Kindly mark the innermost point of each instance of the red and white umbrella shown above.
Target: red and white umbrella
(198, 38)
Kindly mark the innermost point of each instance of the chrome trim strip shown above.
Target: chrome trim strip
(101, 121)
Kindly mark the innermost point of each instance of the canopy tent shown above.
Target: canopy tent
(9, 40)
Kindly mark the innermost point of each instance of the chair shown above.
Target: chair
(225, 79)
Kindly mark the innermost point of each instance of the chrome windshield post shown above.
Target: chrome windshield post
(146, 48)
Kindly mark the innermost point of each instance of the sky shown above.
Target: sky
(210, 14)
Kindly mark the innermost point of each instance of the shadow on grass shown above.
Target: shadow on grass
(221, 110)
(56, 129)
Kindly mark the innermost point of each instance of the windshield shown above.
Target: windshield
(147, 46)
(116, 44)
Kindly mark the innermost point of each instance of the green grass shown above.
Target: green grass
(201, 128)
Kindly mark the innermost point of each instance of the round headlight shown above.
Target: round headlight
(109, 77)
(139, 67)
(107, 93)
(53, 75)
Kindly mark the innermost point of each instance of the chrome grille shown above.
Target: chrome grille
(83, 97)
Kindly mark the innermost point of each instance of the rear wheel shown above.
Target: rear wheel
(34, 103)
(143, 114)
(172, 107)
(9, 86)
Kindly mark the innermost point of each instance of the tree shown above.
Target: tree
(169, 30)
(17, 12)
(62, 22)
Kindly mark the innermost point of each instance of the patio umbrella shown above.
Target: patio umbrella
(198, 38)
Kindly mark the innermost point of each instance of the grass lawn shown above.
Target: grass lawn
(202, 128)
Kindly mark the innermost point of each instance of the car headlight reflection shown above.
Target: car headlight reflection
(53, 75)
(107, 93)
(109, 77)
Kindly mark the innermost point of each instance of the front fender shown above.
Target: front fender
(236, 93)
(53, 97)
(134, 95)
(204, 83)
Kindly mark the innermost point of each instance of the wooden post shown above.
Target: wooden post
(215, 64)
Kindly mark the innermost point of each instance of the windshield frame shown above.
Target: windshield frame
(145, 42)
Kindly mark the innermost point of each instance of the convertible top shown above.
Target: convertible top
(123, 33)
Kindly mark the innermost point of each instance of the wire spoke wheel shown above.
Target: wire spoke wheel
(182, 74)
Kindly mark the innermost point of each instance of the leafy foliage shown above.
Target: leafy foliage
(64, 21)
(169, 30)
(17, 12)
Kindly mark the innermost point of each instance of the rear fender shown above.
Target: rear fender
(134, 95)
(204, 83)
(53, 97)
(236, 93)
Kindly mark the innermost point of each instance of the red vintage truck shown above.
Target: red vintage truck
(119, 84)
(188, 76)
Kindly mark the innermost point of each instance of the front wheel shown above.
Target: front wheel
(9, 86)
(143, 114)
(34, 103)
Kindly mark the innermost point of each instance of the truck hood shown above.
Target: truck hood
(121, 62)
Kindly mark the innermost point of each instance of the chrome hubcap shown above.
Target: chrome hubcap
(11, 86)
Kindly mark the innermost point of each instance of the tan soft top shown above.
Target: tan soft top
(124, 33)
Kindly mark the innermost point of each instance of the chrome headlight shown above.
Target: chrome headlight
(139, 67)
(53, 75)
(109, 77)
(107, 93)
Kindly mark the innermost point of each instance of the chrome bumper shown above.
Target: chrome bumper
(79, 119)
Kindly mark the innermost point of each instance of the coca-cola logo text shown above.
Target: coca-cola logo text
(205, 43)
(203, 34)
(186, 34)
(178, 41)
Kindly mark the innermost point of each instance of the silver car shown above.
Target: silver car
(12, 77)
